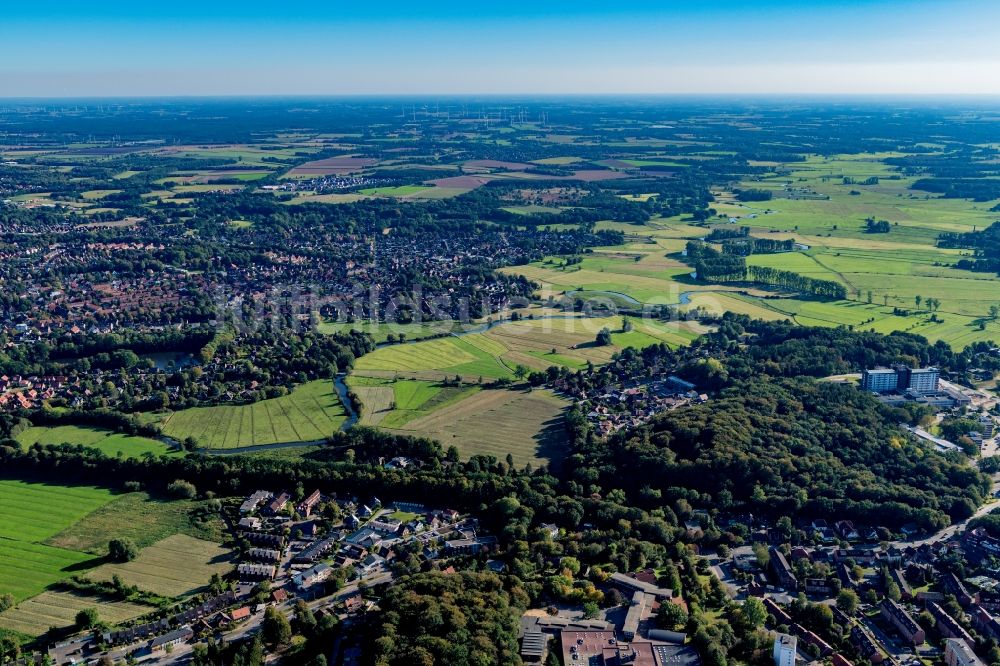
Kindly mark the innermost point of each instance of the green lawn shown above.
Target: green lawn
(309, 412)
(111, 443)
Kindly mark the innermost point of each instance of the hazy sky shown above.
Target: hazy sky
(223, 47)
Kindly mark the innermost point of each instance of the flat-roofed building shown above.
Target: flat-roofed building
(785, 647)
(920, 380)
(880, 380)
(585, 647)
(639, 610)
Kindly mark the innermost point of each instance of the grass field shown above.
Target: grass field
(391, 403)
(534, 343)
(454, 356)
(309, 412)
(140, 518)
(35, 512)
(110, 443)
(527, 425)
(532, 210)
(175, 566)
(400, 191)
(48, 533)
(32, 513)
(58, 609)
(30, 567)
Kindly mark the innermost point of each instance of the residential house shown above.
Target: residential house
(866, 645)
(951, 583)
(949, 626)
(782, 571)
(169, 640)
(248, 571)
(813, 639)
(264, 555)
(253, 501)
(469, 546)
(250, 523)
(307, 505)
(984, 622)
(278, 504)
(315, 551)
(369, 565)
(312, 576)
(958, 653)
(904, 623)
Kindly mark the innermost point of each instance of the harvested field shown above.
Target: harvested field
(58, 609)
(175, 566)
(450, 356)
(333, 166)
(497, 164)
(391, 403)
(466, 183)
(597, 175)
(528, 425)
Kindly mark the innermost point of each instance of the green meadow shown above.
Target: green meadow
(310, 412)
(108, 442)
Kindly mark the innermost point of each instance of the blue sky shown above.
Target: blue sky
(182, 47)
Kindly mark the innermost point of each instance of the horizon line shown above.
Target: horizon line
(559, 95)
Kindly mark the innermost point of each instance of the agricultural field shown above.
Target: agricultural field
(441, 356)
(175, 566)
(528, 425)
(50, 532)
(310, 412)
(141, 518)
(399, 191)
(110, 443)
(54, 608)
(30, 567)
(534, 343)
(33, 513)
(813, 206)
(391, 403)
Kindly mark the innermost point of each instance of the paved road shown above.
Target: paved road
(952, 530)
(181, 654)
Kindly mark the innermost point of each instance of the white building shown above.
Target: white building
(785, 647)
(958, 653)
